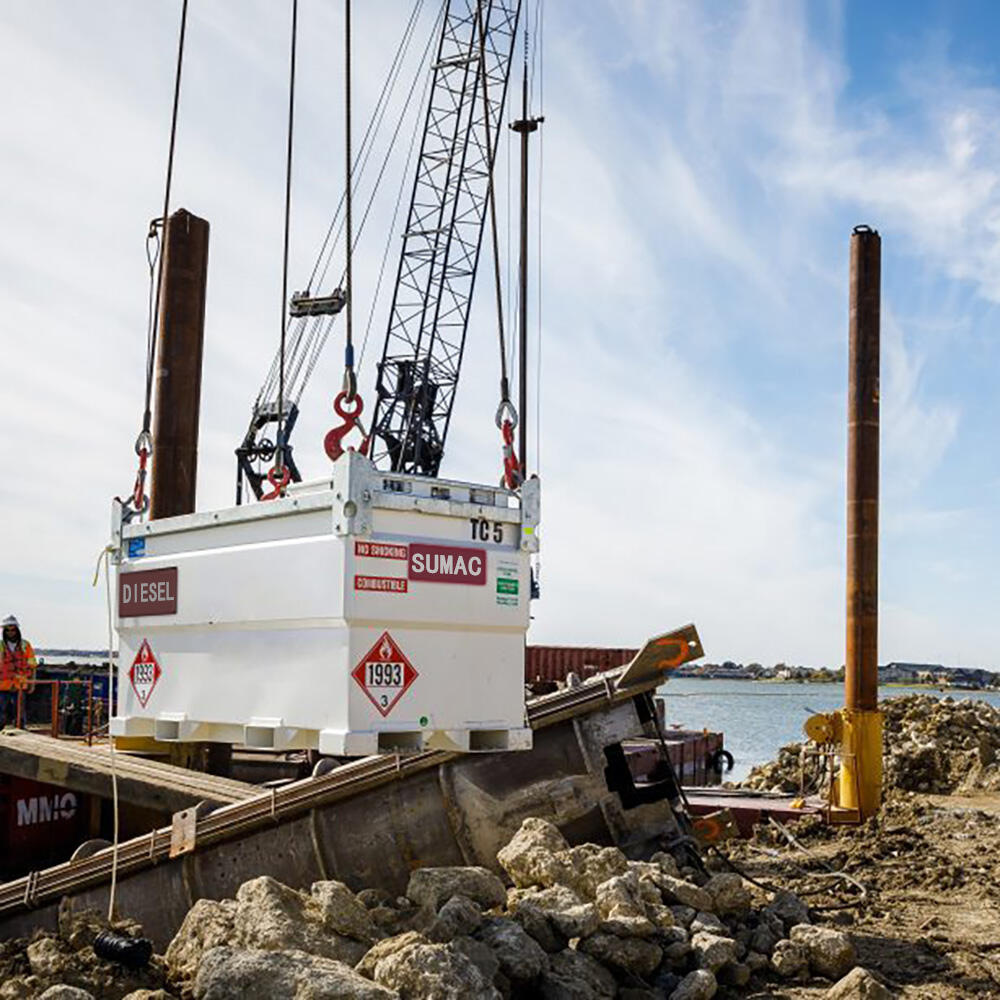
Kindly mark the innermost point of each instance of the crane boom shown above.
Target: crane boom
(418, 374)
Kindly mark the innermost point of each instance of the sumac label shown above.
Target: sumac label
(148, 592)
(447, 564)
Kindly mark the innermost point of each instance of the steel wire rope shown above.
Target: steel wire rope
(540, 57)
(385, 162)
(143, 443)
(491, 202)
(267, 388)
(280, 443)
(319, 338)
(418, 119)
(350, 378)
(389, 83)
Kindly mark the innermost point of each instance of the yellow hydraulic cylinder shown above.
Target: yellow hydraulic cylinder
(860, 781)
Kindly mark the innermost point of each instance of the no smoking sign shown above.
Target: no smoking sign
(384, 674)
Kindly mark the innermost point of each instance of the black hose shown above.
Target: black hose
(133, 953)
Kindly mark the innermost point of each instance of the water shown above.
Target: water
(758, 717)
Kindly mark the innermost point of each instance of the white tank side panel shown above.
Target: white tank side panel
(297, 524)
(253, 585)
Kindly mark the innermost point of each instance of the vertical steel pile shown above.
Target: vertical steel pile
(860, 785)
(178, 369)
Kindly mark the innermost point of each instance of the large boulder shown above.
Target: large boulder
(677, 891)
(430, 887)
(790, 960)
(433, 972)
(343, 913)
(529, 859)
(521, 957)
(272, 917)
(729, 895)
(459, 917)
(635, 955)
(210, 923)
(572, 975)
(713, 951)
(697, 985)
(237, 974)
(569, 916)
(788, 908)
(831, 953)
(858, 984)
(590, 865)
(384, 948)
(62, 992)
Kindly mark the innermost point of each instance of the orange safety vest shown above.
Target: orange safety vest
(17, 667)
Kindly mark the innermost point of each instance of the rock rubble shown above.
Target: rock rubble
(933, 745)
(578, 923)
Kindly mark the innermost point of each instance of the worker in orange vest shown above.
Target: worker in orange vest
(17, 669)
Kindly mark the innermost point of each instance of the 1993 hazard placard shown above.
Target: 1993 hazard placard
(384, 674)
(144, 673)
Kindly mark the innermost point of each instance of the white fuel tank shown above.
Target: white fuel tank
(367, 613)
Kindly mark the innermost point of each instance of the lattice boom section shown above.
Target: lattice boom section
(420, 364)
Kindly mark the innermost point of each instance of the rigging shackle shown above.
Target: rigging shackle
(332, 443)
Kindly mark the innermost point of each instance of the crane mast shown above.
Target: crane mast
(418, 374)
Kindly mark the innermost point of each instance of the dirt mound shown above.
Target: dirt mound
(936, 745)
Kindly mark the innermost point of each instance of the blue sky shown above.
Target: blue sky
(703, 166)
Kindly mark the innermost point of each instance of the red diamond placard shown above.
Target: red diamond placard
(384, 673)
(144, 673)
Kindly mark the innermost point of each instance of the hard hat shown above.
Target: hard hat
(11, 620)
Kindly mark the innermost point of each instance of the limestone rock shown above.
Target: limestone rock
(537, 923)
(16, 988)
(629, 954)
(708, 922)
(628, 927)
(529, 858)
(666, 862)
(831, 953)
(568, 914)
(572, 975)
(343, 912)
(684, 915)
(458, 917)
(209, 923)
(729, 894)
(384, 948)
(47, 958)
(590, 865)
(521, 956)
(149, 995)
(697, 985)
(790, 960)
(789, 909)
(713, 951)
(430, 887)
(620, 896)
(734, 974)
(271, 916)
(756, 961)
(481, 956)
(676, 890)
(62, 992)
(235, 974)
(858, 984)
(433, 972)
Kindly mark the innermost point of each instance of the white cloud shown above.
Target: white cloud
(698, 160)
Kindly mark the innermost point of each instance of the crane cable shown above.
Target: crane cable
(144, 442)
(506, 414)
(350, 378)
(280, 475)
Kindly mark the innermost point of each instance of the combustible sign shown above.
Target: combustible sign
(144, 673)
(384, 674)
